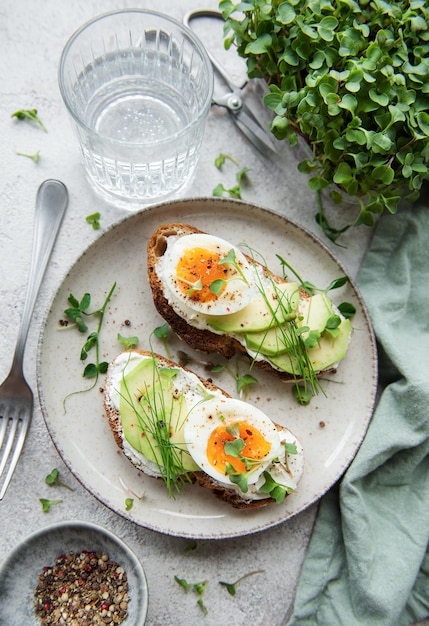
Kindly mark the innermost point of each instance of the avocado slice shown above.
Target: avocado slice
(270, 342)
(328, 351)
(315, 312)
(276, 305)
(152, 418)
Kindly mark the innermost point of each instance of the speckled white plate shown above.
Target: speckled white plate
(20, 570)
(331, 428)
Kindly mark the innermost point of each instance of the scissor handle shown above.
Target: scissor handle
(217, 15)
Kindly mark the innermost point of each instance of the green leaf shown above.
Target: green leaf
(384, 173)
(347, 309)
(343, 174)
(128, 342)
(234, 448)
(183, 583)
(260, 45)
(29, 114)
(46, 504)
(244, 381)
(241, 481)
(286, 13)
(129, 503)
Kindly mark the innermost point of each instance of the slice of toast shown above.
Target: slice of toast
(204, 340)
(230, 496)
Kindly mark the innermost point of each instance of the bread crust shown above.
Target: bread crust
(198, 339)
(229, 496)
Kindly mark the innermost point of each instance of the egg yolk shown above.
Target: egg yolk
(198, 268)
(256, 447)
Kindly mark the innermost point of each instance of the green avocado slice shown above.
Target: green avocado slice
(276, 305)
(153, 417)
(328, 351)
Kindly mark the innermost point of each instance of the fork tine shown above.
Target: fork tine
(3, 428)
(20, 426)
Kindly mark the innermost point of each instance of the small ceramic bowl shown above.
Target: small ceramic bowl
(20, 570)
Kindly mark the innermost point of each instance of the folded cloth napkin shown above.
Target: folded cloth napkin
(368, 561)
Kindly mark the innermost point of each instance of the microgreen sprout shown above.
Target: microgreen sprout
(34, 157)
(275, 489)
(53, 478)
(302, 394)
(29, 114)
(240, 177)
(234, 192)
(222, 157)
(330, 231)
(46, 504)
(199, 588)
(93, 369)
(76, 313)
(128, 342)
(191, 546)
(242, 381)
(94, 220)
(234, 448)
(231, 587)
(129, 503)
(162, 332)
(309, 287)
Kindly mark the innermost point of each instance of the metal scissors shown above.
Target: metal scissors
(233, 101)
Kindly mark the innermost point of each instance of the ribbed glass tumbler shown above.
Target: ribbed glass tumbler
(138, 86)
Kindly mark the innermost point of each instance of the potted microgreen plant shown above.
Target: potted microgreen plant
(350, 78)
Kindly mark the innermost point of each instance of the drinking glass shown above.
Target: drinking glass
(138, 86)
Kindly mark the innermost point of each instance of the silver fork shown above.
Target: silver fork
(16, 397)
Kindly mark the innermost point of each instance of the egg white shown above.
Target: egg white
(206, 417)
(238, 292)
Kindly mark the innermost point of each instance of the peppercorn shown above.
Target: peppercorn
(81, 590)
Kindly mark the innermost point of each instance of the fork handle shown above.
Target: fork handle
(51, 204)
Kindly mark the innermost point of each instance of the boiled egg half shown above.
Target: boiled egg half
(207, 274)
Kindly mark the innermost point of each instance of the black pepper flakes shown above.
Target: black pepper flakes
(82, 589)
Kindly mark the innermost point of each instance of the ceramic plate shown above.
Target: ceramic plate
(331, 428)
(20, 570)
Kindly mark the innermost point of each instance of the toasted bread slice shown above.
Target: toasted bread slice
(205, 340)
(221, 491)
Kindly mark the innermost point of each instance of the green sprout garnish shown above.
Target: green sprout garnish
(76, 314)
(54, 479)
(78, 309)
(234, 448)
(240, 176)
(222, 157)
(191, 546)
(46, 504)
(242, 382)
(29, 114)
(34, 157)
(231, 587)
(128, 342)
(199, 588)
(129, 503)
(162, 332)
(217, 285)
(275, 489)
(94, 220)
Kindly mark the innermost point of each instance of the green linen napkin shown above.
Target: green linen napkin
(368, 560)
